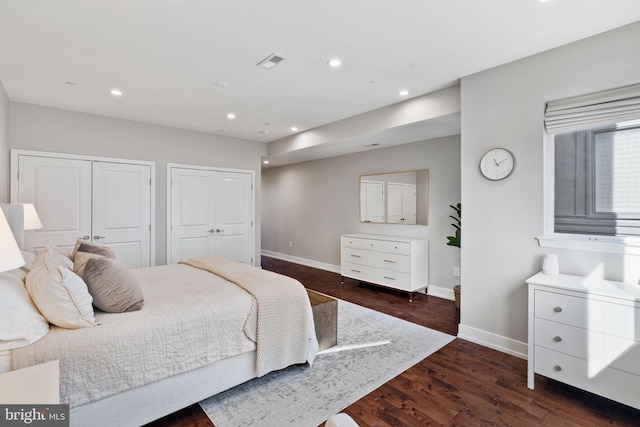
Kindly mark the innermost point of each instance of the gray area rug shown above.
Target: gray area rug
(372, 349)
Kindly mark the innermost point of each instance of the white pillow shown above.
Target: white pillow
(60, 294)
(20, 322)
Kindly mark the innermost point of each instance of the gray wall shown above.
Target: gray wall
(33, 127)
(504, 107)
(311, 204)
(4, 145)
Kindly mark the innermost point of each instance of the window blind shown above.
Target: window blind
(593, 110)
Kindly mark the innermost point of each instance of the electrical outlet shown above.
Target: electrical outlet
(456, 271)
(290, 244)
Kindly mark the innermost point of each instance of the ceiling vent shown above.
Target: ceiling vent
(271, 61)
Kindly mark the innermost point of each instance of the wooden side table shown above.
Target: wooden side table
(325, 318)
(37, 385)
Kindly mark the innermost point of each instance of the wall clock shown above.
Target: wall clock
(497, 163)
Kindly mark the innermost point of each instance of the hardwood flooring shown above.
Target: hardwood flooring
(462, 384)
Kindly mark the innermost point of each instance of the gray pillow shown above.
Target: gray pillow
(82, 246)
(114, 288)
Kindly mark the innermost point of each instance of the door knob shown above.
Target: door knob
(211, 231)
(85, 237)
(96, 237)
(218, 230)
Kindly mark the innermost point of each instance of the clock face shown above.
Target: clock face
(497, 164)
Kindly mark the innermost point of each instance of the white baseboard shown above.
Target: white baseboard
(303, 261)
(439, 292)
(491, 340)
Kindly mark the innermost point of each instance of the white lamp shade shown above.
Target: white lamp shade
(31, 218)
(10, 256)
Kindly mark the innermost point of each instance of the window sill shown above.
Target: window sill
(616, 245)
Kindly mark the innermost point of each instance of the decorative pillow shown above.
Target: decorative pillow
(20, 322)
(80, 262)
(60, 294)
(82, 246)
(115, 289)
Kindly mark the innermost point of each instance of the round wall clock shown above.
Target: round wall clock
(497, 164)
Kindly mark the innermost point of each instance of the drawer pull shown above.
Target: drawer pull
(390, 278)
(557, 339)
(558, 309)
(356, 271)
(355, 256)
(390, 260)
(557, 368)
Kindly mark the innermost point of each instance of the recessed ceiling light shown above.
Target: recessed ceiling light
(266, 162)
(231, 116)
(294, 129)
(221, 84)
(403, 92)
(70, 83)
(335, 62)
(116, 92)
(264, 132)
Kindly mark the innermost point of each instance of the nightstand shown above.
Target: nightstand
(38, 385)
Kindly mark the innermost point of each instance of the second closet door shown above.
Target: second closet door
(211, 214)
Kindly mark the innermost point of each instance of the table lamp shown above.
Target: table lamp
(10, 256)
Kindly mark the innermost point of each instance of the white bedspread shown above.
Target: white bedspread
(285, 330)
(190, 318)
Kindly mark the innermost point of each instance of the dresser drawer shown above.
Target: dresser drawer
(393, 279)
(393, 262)
(355, 242)
(594, 377)
(601, 316)
(357, 256)
(619, 353)
(391, 247)
(356, 271)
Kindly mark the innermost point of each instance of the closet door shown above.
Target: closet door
(192, 212)
(122, 211)
(211, 213)
(60, 189)
(234, 227)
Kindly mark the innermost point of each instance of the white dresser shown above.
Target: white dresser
(395, 262)
(586, 333)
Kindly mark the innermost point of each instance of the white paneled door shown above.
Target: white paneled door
(122, 210)
(211, 213)
(107, 203)
(61, 191)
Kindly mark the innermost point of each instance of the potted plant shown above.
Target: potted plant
(455, 241)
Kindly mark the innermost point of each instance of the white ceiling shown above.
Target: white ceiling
(167, 55)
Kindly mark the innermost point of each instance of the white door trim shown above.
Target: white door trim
(210, 169)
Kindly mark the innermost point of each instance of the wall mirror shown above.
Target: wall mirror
(395, 197)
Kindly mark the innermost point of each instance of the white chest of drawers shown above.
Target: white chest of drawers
(396, 262)
(586, 333)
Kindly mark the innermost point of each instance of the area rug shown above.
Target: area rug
(372, 349)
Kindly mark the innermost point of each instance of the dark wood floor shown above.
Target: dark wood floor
(462, 384)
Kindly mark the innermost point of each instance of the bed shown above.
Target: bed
(203, 327)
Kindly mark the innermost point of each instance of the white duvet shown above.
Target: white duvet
(190, 318)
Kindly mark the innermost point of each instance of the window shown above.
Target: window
(597, 181)
(594, 195)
